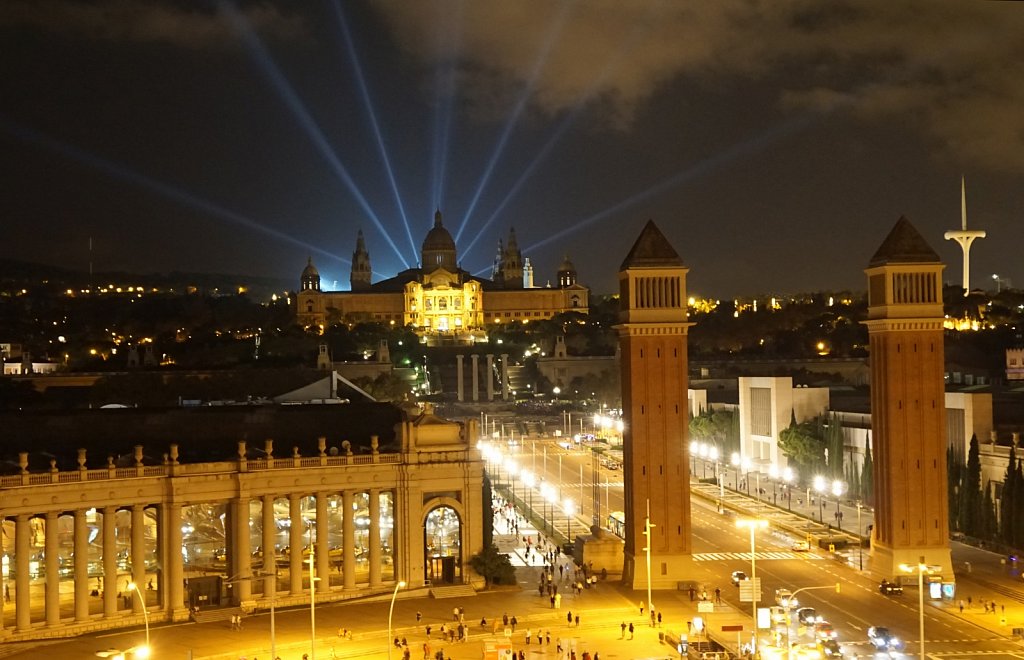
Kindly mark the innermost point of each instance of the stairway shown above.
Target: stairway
(216, 614)
(453, 591)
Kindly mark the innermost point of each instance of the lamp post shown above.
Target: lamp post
(787, 476)
(819, 488)
(753, 524)
(312, 600)
(529, 480)
(920, 568)
(143, 652)
(837, 489)
(713, 454)
(570, 508)
(735, 460)
(391, 612)
(694, 449)
(860, 538)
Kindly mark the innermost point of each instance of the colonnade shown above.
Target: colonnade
(475, 375)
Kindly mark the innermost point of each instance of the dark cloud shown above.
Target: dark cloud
(953, 70)
(142, 21)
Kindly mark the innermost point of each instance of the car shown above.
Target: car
(784, 597)
(882, 639)
(808, 616)
(830, 648)
(801, 546)
(737, 577)
(890, 588)
(824, 630)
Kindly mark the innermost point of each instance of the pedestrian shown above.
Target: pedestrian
(419, 615)
(504, 618)
(577, 620)
(718, 595)
(622, 627)
(641, 608)
(428, 631)
(547, 637)
(631, 630)
(455, 614)
(568, 618)
(986, 607)
(529, 634)
(961, 604)
(659, 619)
(970, 601)
(692, 593)
(993, 607)
(514, 621)
(483, 622)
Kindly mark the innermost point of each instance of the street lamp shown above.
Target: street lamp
(920, 568)
(819, 488)
(694, 449)
(860, 538)
(570, 508)
(141, 652)
(837, 489)
(391, 612)
(753, 524)
(529, 481)
(735, 460)
(713, 454)
(787, 476)
(550, 496)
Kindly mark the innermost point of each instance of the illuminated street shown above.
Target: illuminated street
(720, 548)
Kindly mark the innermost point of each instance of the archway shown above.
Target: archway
(442, 543)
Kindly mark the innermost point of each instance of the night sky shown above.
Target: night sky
(775, 143)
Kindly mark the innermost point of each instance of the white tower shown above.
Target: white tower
(527, 275)
(965, 237)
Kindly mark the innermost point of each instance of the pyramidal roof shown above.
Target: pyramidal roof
(904, 245)
(651, 250)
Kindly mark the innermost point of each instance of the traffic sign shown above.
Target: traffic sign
(750, 590)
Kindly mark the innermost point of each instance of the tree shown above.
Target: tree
(488, 496)
(954, 476)
(970, 497)
(493, 566)
(867, 475)
(1008, 502)
(802, 445)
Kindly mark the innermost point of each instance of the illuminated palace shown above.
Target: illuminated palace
(440, 299)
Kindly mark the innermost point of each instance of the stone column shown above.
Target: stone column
(269, 552)
(174, 563)
(475, 362)
(109, 561)
(374, 537)
(242, 550)
(490, 377)
(323, 546)
(22, 599)
(504, 376)
(295, 545)
(138, 551)
(348, 530)
(52, 571)
(81, 543)
(458, 377)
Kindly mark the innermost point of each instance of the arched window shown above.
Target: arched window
(442, 545)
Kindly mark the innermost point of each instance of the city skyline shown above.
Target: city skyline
(192, 139)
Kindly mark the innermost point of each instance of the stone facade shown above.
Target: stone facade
(199, 534)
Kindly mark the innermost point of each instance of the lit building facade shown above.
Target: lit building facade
(439, 298)
(238, 532)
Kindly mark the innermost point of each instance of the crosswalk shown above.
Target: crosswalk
(758, 556)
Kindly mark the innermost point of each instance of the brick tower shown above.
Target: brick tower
(652, 334)
(908, 413)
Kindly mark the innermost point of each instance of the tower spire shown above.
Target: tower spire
(965, 236)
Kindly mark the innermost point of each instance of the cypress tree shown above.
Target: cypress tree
(970, 497)
(954, 473)
(1018, 507)
(1007, 503)
(867, 480)
(986, 527)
